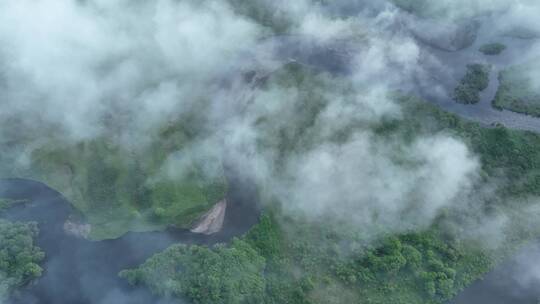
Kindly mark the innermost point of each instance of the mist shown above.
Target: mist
(74, 71)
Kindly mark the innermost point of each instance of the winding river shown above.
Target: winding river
(67, 280)
(95, 280)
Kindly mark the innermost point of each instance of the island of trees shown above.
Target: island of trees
(519, 90)
(476, 80)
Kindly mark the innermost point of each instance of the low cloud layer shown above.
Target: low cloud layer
(370, 182)
(95, 67)
(74, 63)
(89, 68)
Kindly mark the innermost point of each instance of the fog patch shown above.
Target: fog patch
(369, 182)
(87, 68)
(119, 60)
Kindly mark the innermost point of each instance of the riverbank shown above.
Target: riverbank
(88, 270)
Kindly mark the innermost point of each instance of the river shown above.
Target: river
(86, 272)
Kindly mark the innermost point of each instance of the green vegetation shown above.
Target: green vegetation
(119, 189)
(19, 257)
(7, 203)
(263, 13)
(421, 8)
(274, 16)
(492, 48)
(476, 80)
(309, 263)
(519, 91)
(295, 260)
(510, 156)
(220, 275)
(4, 204)
(314, 264)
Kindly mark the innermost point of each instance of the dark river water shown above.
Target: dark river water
(78, 271)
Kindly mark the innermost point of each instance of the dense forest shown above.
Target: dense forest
(289, 259)
(8, 203)
(19, 257)
(492, 49)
